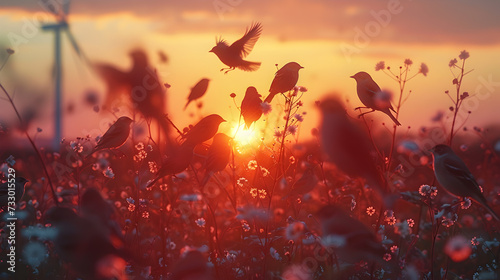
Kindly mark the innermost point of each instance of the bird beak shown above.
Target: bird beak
(301, 67)
(351, 77)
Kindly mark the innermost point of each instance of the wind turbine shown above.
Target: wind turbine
(61, 25)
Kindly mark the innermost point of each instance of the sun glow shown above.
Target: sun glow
(243, 137)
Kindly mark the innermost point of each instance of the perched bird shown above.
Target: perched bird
(205, 129)
(351, 239)
(139, 88)
(452, 173)
(19, 184)
(96, 209)
(251, 109)
(115, 136)
(233, 55)
(197, 91)
(304, 184)
(346, 145)
(85, 246)
(217, 156)
(284, 80)
(372, 96)
(178, 161)
(192, 266)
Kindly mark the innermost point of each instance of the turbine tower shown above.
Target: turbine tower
(61, 13)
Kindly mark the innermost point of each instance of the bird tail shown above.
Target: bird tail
(392, 117)
(189, 101)
(270, 97)
(249, 66)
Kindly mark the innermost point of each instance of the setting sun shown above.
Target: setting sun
(243, 138)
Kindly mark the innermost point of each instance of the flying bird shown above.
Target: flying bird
(351, 239)
(346, 145)
(205, 129)
(251, 109)
(233, 55)
(138, 88)
(115, 136)
(372, 96)
(452, 173)
(197, 91)
(19, 185)
(217, 156)
(284, 80)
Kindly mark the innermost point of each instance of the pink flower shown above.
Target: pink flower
(292, 129)
(266, 108)
(380, 66)
(458, 248)
(464, 55)
(453, 62)
(423, 69)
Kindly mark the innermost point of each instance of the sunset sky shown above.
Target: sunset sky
(332, 40)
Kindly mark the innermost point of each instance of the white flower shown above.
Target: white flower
(274, 254)
(109, 173)
(200, 222)
(35, 253)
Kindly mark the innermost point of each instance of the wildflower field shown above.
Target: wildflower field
(257, 218)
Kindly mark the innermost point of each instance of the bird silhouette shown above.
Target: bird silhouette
(84, 245)
(346, 145)
(233, 55)
(95, 208)
(139, 88)
(284, 80)
(217, 156)
(197, 91)
(351, 239)
(205, 129)
(19, 185)
(454, 176)
(115, 136)
(372, 96)
(192, 266)
(304, 184)
(251, 109)
(179, 159)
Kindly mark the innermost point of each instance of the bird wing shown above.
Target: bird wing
(460, 171)
(113, 133)
(245, 45)
(116, 81)
(281, 80)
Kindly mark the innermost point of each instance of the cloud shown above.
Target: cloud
(425, 22)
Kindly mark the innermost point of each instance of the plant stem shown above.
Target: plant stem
(457, 103)
(44, 166)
